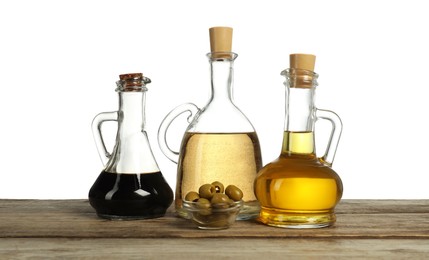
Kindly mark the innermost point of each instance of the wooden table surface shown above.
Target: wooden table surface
(41, 229)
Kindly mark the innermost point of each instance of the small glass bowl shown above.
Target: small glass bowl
(215, 216)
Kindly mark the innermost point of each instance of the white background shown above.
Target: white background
(59, 61)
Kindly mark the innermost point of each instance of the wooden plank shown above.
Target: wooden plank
(76, 219)
(382, 206)
(351, 226)
(344, 207)
(219, 248)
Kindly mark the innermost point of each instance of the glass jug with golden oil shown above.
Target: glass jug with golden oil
(298, 189)
(220, 143)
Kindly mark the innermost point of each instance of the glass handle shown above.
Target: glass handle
(98, 137)
(162, 131)
(337, 127)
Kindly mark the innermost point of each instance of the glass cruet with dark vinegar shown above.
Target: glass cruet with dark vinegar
(298, 189)
(220, 143)
(131, 185)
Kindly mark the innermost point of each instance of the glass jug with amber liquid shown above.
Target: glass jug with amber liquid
(131, 185)
(298, 189)
(220, 143)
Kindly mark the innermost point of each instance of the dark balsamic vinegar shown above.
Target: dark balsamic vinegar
(130, 196)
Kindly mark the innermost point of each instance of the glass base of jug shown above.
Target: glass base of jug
(250, 210)
(296, 219)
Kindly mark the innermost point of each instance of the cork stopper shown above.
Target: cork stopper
(132, 79)
(302, 61)
(301, 73)
(131, 76)
(132, 82)
(220, 40)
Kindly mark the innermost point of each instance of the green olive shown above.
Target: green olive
(192, 196)
(234, 193)
(220, 200)
(219, 187)
(203, 203)
(207, 191)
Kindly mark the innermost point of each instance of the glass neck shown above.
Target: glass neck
(132, 153)
(222, 73)
(298, 136)
(131, 115)
(299, 109)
